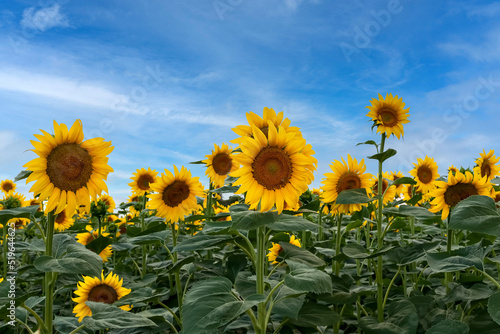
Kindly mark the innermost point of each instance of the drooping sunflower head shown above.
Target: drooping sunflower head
(219, 164)
(142, 180)
(487, 165)
(269, 115)
(106, 290)
(274, 168)
(276, 249)
(388, 191)
(389, 114)
(68, 170)
(425, 173)
(459, 187)
(87, 237)
(346, 175)
(175, 195)
(6, 186)
(63, 221)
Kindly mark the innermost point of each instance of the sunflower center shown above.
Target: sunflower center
(459, 192)
(222, 163)
(103, 294)
(61, 217)
(348, 180)
(123, 229)
(272, 168)
(385, 184)
(388, 116)
(69, 167)
(175, 193)
(7, 187)
(485, 169)
(424, 174)
(144, 181)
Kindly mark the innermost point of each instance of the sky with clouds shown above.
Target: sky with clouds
(165, 80)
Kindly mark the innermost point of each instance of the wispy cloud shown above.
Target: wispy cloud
(44, 18)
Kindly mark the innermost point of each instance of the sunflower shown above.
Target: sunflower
(34, 201)
(121, 227)
(393, 176)
(487, 165)
(19, 223)
(108, 200)
(106, 290)
(63, 221)
(7, 186)
(68, 170)
(14, 200)
(269, 115)
(350, 175)
(389, 114)
(87, 237)
(425, 173)
(453, 169)
(274, 168)
(142, 180)
(276, 249)
(388, 191)
(175, 194)
(219, 164)
(459, 187)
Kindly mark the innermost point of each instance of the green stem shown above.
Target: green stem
(144, 247)
(380, 240)
(488, 277)
(259, 271)
(448, 277)
(320, 222)
(338, 242)
(277, 330)
(390, 286)
(171, 312)
(99, 226)
(48, 283)
(25, 326)
(76, 330)
(178, 285)
(5, 250)
(37, 317)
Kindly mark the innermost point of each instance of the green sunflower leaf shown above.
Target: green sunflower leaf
(477, 214)
(449, 327)
(201, 241)
(383, 156)
(303, 278)
(22, 175)
(459, 259)
(353, 196)
(106, 316)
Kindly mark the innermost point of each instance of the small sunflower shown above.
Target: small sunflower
(274, 168)
(19, 223)
(69, 170)
(219, 164)
(459, 187)
(389, 192)
(86, 237)
(276, 249)
(142, 180)
(393, 176)
(106, 290)
(487, 165)
(63, 221)
(175, 195)
(121, 227)
(108, 200)
(6, 186)
(34, 201)
(269, 115)
(425, 173)
(350, 175)
(14, 200)
(389, 114)
(453, 169)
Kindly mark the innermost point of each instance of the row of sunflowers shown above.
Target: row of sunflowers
(257, 252)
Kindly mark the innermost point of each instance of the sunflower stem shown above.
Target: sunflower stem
(259, 271)
(380, 240)
(320, 222)
(178, 286)
(143, 228)
(338, 242)
(99, 226)
(448, 277)
(76, 330)
(5, 250)
(48, 283)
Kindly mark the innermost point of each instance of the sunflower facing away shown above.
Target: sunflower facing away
(175, 194)
(108, 200)
(142, 180)
(425, 173)
(389, 114)
(276, 249)
(350, 175)
(487, 165)
(63, 221)
(459, 187)
(14, 200)
(106, 290)
(68, 170)
(6, 186)
(274, 168)
(86, 237)
(219, 164)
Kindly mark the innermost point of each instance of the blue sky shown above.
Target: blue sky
(165, 80)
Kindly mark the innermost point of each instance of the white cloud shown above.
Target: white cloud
(484, 48)
(43, 19)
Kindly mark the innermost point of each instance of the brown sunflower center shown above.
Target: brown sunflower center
(459, 192)
(409, 191)
(388, 116)
(144, 181)
(123, 229)
(103, 294)
(486, 169)
(175, 193)
(61, 217)
(222, 163)
(7, 187)
(69, 167)
(424, 174)
(348, 180)
(272, 168)
(385, 184)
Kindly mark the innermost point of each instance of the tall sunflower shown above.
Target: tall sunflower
(106, 290)
(63, 221)
(142, 180)
(219, 164)
(68, 170)
(274, 168)
(175, 194)
(269, 115)
(350, 175)
(425, 173)
(459, 187)
(6, 186)
(487, 165)
(389, 114)
(86, 237)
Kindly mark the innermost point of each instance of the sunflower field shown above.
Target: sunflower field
(257, 252)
